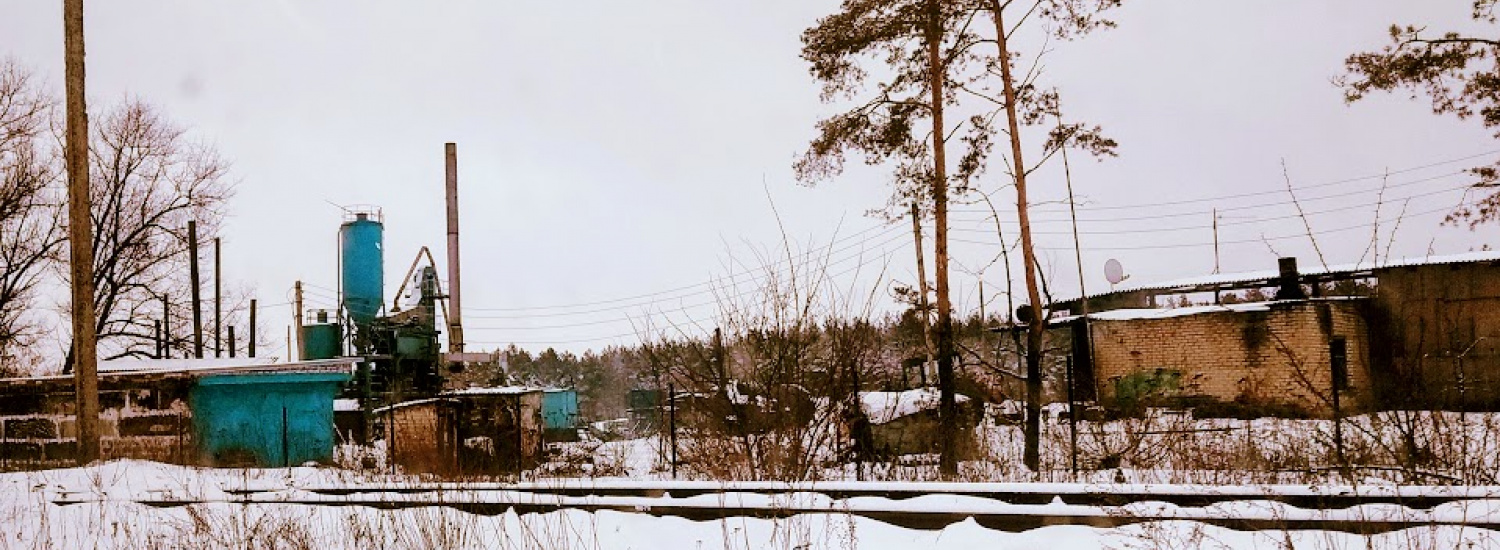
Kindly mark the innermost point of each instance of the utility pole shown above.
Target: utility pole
(80, 237)
(1218, 295)
(1083, 306)
(297, 314)
(157, 332)
(916, 230)
(196, 294)
(218, 303)
(250, 347)
(1216, 241)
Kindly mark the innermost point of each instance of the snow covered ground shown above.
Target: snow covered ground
(113, 519)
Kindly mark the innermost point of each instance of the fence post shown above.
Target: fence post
(672, 423)
(1338, 359)
(1072, 422)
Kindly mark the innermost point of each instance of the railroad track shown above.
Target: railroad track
(1011, 507)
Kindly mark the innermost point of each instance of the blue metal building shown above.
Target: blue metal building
(276, 416)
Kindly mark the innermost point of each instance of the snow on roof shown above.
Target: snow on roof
(1267, 274)
(504, 390)
(411, 403)
(885, 406)
(345, 405)
(181, 365)
(126, 368)
(1138, 314)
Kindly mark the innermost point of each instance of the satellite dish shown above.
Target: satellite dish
(1114, 272)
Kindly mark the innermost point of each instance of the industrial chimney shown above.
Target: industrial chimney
(455, 303)
(1290, 280)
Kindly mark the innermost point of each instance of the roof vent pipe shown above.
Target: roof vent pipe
(1290, 279)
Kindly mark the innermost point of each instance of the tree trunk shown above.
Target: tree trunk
(1037, 324)
(947, 405)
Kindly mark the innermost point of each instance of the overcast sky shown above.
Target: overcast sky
(610, 149)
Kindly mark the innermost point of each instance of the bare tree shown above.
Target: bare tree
(30, 236)
(148, 179)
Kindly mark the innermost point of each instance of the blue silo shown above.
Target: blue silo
(362, 261)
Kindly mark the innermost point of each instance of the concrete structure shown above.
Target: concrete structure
(186, 411)
(473, 431)
(1439, 324)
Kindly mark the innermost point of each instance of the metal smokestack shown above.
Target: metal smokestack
(1291, 280)
(455, 302)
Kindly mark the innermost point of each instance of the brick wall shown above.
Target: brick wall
(1277, 354)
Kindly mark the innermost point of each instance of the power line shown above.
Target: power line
(1226, 208)
(884, 254)
(1242, 241)
(1386, 201)
(682, 290)
(1313, 186)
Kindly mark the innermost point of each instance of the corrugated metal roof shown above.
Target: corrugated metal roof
(1270, 274)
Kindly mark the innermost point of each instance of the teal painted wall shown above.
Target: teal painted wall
(321, 341)
(559, 409)
(251, 418)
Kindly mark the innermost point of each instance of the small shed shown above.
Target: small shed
(265, 419)
(472, 431)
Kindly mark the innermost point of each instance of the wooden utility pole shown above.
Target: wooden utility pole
(1216, 241)
(250, 346)
(157, 334)
(297, 320)
(231, 341)
(1218, 295)
(80, 237)
(1037, 325)
(1083, 306)
(947, 404)
(218, 303)
(916, 230)
(196, 294)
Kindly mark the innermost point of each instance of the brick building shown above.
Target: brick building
(1266, 353)
(1421, 333)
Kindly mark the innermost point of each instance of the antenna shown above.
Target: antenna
(1114, 273)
